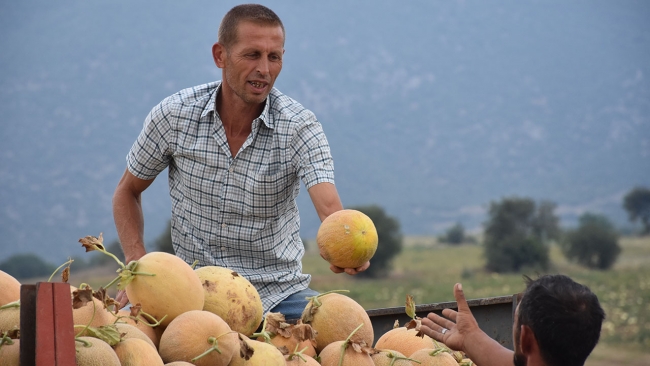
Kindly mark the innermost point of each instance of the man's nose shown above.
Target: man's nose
(263, 66)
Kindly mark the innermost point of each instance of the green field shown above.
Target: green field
(428, 270)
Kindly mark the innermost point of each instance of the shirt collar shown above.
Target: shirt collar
(211, 107)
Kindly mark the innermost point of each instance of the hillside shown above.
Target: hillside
(432, 109)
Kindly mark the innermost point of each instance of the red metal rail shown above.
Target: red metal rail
(46, 326)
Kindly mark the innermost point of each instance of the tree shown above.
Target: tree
(390, 241)
(594, 244)
(27, 265)
(516, 232)
(637, 205)
(454, 235)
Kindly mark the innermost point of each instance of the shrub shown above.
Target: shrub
(594, 244)
(27, 265)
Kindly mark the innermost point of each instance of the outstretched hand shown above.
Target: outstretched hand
(350, 271)
(460, 324)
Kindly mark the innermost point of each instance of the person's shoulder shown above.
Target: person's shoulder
(286, 109)
(196, 95)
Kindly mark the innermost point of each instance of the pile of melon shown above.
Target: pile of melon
(213, 316)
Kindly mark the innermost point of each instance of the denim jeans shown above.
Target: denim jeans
(292, 306)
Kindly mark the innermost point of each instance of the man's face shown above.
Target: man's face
(253, 62)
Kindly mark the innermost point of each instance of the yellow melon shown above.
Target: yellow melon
(232, 297)
(331, 355)
(92, 314)
(10, 352)
(263, 354)
(198, 332)
(334, 316)
(141, 324)
(297, 337)
(9, 318)
(434, 357)
(347, 238)
(173, 289)
(137, 352)
(95, 352)
(404, 341)
(390, 358)
(9, 288)
(129, 331)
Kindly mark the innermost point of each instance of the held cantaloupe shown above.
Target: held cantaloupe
(347, 238)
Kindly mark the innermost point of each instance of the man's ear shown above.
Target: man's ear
(528, 341)
(219, 55)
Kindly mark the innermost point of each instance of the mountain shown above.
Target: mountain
(432, 109)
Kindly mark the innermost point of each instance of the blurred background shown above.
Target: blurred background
(432, 109)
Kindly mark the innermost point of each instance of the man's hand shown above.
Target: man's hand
(121, 298)
(350, 271)
(460, 324)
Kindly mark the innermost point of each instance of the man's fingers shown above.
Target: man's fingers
(336, 269)
(450, 314)
(437, 323)
(460, 298)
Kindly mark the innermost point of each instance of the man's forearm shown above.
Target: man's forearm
(129, 222)
(485, 351)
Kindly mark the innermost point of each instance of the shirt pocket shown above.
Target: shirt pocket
(266, 195)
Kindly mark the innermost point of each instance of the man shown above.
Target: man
(556, 323)
(236, 152)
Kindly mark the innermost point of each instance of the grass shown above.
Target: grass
(428, 270)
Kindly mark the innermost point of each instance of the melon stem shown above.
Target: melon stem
(297, 353)
(13, 304)
(395, 358)
(438, 351)
(315, 298)
(346, 343)
(91, 318)
(214, 341)
(58, 268)
(5, 339)
(264, 333)
(83, 341)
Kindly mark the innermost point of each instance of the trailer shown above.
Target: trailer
(47, 334)
(495, 316)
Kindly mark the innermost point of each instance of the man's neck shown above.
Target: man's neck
(236, 115)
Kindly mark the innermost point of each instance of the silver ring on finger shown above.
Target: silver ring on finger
(444, 330)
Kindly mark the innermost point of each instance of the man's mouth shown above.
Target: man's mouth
(257, 85)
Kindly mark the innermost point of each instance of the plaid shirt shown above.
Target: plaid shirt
(241, 212)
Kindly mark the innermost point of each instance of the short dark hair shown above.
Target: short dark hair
(565, 317)
(255, 13)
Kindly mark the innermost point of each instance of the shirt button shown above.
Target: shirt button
(232, 169)
(224, 226)
(223, 248)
